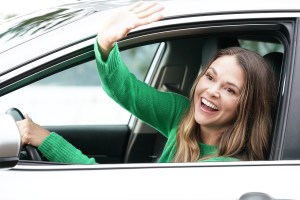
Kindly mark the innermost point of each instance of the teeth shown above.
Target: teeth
(207, 103)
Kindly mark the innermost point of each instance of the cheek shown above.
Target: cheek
(198, 91)
(231, 104)
(199, 86)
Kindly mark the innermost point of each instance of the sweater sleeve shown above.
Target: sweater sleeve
(56, 149)
(161, 110)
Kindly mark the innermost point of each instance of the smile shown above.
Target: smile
(208, 106)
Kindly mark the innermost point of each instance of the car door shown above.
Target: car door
(191, 181)
(184, 45)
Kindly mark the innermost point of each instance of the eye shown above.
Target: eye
(209, 77)
(231, 91)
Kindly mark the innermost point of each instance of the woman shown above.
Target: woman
(227, 118)
(234, 83)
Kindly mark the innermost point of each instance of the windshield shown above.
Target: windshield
(21, 29)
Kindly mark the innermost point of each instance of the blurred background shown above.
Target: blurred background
(11, 8)
(63, 98)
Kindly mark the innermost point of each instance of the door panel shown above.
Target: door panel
(219, 181)
(105, 143)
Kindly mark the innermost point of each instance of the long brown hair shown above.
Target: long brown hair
(248, 137)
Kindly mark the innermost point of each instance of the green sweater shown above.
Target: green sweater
(161, 110)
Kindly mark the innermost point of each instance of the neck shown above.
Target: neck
(210, 136)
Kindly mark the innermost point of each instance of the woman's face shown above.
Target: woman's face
(217, 94)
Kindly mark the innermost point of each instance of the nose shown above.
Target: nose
(214, 91)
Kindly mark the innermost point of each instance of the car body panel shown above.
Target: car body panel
(227, 181)
(70, 35)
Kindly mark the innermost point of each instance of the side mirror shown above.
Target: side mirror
(10, 142)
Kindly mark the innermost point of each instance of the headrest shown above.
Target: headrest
(274, 60)
(211, 46)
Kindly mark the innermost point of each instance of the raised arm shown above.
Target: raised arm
(159, 109)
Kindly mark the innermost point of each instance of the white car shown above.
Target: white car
(48, 70)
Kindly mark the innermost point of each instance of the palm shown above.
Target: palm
(119, 25)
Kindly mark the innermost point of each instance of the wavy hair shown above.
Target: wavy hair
(248, 138)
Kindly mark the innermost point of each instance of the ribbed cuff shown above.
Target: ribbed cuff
(56, 149)
(113, 59)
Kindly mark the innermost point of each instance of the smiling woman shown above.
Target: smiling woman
(219, 93)
(232, 105)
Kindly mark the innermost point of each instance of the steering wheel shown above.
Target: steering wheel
(31, 151)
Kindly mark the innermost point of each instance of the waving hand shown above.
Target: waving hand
(122, 22)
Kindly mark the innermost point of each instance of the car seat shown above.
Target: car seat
(274, 60)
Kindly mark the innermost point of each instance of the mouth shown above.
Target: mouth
(208, 106)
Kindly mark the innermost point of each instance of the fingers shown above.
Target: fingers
(25, 127)
(32, 133)
(150, 19)
(25, 139)
(142, 7)
(135, 5)
(122, 22)
(27, 117)
(148, 13)
(147, 9)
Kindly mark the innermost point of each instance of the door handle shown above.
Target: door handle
(256, 196)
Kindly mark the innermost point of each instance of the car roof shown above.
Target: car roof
(66, 23)
(231, 6)
(45, 20)
(25, 27)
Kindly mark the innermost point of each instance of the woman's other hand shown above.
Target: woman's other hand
(122, 22)
(31, 133)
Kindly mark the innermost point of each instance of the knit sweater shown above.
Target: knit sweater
(56, 149)
(161, 110)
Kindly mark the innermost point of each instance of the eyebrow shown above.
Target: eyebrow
(229, 83)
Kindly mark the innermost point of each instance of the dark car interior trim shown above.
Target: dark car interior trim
(106, 143)
(290, 149)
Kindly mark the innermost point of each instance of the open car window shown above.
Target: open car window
(74, 96)
(73, 104)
